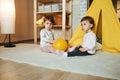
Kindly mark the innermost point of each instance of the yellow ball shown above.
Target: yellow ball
(60, 44)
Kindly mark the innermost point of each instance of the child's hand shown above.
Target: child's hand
(82, 49)
(78, 45)
(51, 41)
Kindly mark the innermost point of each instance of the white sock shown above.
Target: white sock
(61, 53)
(64, 54)
(58, 52)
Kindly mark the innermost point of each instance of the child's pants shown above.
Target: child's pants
(77, 52)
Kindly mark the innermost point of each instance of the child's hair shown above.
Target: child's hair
(50, 18)
(89, 19)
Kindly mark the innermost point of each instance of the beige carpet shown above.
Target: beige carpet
(102, 64)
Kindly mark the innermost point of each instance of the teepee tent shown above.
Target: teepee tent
(107, 26)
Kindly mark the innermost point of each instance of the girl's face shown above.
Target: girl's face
(86, 26)
(48, 25)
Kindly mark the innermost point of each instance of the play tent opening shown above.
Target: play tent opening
(107, 26)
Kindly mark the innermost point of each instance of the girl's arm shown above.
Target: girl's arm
(50, 41)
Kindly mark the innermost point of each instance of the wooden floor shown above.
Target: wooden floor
(19, 71)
